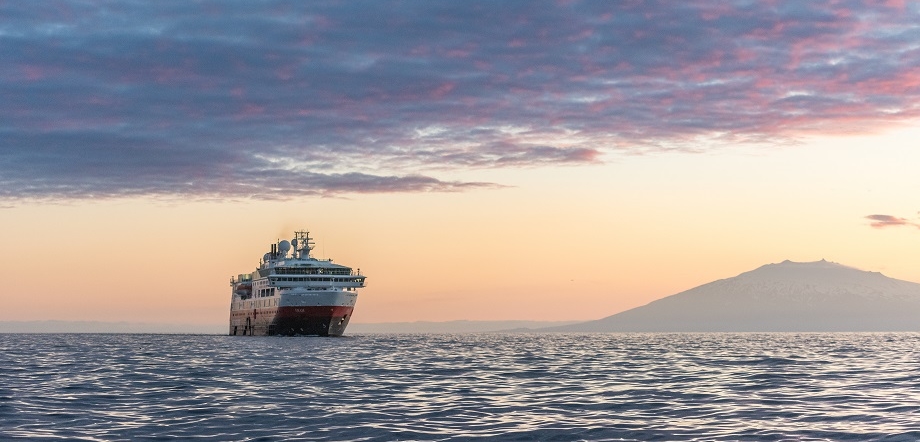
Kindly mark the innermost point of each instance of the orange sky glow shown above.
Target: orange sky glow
(572, 243)
(503, 162)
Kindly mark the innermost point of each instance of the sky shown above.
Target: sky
(477, 160)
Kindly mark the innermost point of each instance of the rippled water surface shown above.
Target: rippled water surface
(460, 387)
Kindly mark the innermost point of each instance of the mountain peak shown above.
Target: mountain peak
(821, 263)
(814, 272)
(788, 265)
(790, 296)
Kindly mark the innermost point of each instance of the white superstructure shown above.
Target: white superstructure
(291, 292)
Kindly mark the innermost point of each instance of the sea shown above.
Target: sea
(457, 387)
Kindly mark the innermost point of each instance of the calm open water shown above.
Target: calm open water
(461, 387)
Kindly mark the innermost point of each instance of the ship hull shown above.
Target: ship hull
(292, 321)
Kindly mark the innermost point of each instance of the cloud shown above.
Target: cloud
(146, 98)
(882, 221)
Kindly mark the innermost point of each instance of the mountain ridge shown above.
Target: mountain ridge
(786, 296)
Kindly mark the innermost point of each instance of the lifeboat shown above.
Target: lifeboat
(243, 289)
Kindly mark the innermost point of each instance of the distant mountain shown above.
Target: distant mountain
(789, 296)
(451, 326)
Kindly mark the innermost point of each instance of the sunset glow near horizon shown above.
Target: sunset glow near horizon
(477, 160)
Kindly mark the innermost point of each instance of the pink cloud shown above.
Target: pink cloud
(32, 72)
(883, 221)
(360, 80)
(443, 90)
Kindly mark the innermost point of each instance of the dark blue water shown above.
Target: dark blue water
(461, 387)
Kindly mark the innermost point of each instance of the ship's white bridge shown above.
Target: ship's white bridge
(280, 272)
(286, 276)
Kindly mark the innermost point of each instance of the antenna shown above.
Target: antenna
(304, 243)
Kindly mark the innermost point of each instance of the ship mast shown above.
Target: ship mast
(303, 244)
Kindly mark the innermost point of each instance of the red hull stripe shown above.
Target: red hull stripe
(328, 320)
(313, 312)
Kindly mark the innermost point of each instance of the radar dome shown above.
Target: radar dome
(294, 242)
(284, 246)
(266, 257)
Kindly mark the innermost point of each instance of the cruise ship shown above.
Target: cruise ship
(292, 293)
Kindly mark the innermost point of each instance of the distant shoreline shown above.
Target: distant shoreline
(60, 326)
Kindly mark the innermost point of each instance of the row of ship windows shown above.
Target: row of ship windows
(264, 293)
(257, 304)
(317, 279)
(310, 271)
(350, 289)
